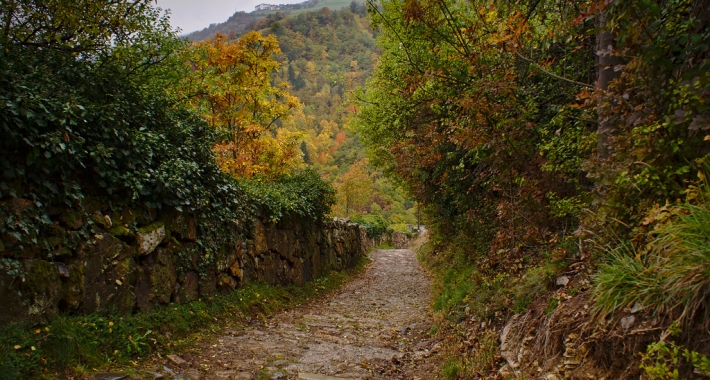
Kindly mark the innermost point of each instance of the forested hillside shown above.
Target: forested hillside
(561, 151)
(241, 20)
(324, 56)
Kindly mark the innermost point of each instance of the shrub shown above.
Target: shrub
(664, 360)
(670, 274)
(303, 193)
(375, 225)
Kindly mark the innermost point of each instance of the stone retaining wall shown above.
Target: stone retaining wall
(116, 269)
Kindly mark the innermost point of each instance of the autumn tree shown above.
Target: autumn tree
(354, 189)
(232, 89)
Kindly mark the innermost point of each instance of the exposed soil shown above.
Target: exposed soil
(375, 327)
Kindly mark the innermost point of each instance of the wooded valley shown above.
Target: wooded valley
(557, 152)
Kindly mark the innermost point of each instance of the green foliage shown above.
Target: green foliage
(461, 287)
(659, 141)
(663, 360)
(304, 194)
(99, 119)
(496, 116)
(105, 123)
(431, 115)
(481, 359)
(486, 354)
(375, 225)
(536, 281)
(325, 55)
(552, 304)
(240, 21)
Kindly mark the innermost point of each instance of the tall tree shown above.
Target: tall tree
(232, 89)
(355, 188)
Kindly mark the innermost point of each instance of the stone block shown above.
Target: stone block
(29, 291)
(149, 237)
(226, 283)
(187, 291)
(260, 243)
(157, 281)
(207, 284)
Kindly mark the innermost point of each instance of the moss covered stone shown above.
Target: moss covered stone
(179, 225)
(72, 219)
(53, 242)
(121, 232)
(129, 215)
(152, 227)
(43, 283)
(101, 220)
(92, 205)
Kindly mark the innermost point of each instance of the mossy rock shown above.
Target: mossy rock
(151, 227)
(43, 282)
(72, 219)
(149, 237)
(146, 216)
(129, 215)
(72, 290)
(64, 252)
(172, 244)
(54, 242)
(101, 221)
(93, 205)
(122, 232)
(179, 224)
(58, 231)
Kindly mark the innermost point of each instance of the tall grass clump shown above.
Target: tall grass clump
(671, 274)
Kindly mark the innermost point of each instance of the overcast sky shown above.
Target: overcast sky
(192, 15)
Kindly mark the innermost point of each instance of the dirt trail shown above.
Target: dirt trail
(375, 327)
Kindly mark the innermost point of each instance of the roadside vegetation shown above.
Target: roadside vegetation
(559, 150)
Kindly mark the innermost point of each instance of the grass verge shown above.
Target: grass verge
(476, 291)
(671, 274)
(78, 344)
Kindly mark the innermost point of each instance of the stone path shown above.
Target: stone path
(375, 327)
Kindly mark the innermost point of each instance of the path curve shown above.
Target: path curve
(375, 327)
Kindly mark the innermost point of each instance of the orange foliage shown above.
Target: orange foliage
(339, 140)
(233, 92)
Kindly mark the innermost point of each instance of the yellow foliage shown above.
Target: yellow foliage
(231, 88)
(354, 189)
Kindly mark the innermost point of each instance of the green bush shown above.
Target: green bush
(106, 123)
(664, 360)
(375, 225)
(305, 194)
(100, 119)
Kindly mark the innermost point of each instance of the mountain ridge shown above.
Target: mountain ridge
(240, 21)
